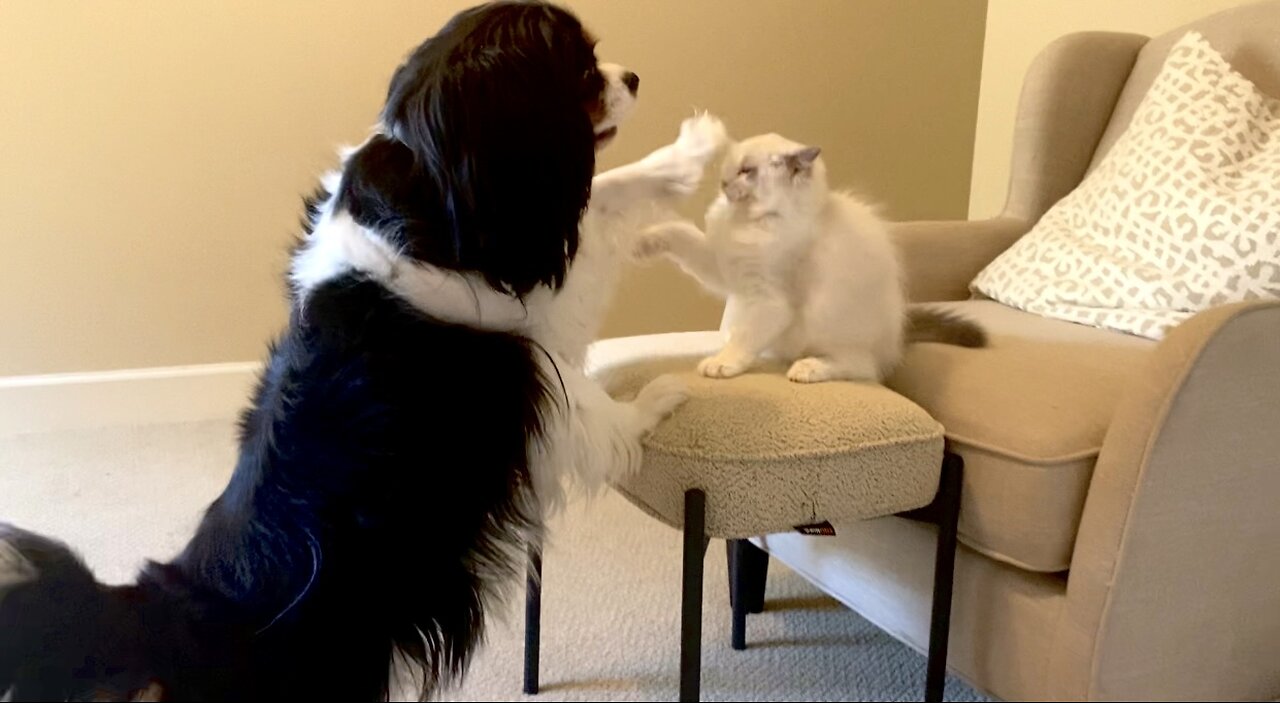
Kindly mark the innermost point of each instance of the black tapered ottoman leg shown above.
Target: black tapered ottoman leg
(748, 573)
(532, 617)
(947, 515)
(695, 548)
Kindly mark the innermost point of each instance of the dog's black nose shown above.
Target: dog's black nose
(632, 81)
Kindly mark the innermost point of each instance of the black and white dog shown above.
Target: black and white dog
(414, 422)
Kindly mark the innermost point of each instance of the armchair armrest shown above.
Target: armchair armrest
(1176, 564)
(940, 257)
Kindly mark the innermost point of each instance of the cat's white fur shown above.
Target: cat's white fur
(810, 275)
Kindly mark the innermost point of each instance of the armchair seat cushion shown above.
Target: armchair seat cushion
(1028, 414)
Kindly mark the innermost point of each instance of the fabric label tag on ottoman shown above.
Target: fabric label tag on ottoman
(820, 529)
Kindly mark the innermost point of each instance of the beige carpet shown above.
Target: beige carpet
(612, 577)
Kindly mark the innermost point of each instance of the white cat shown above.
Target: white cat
(810, 275)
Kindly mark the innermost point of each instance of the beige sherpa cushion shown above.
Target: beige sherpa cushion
(770, 454)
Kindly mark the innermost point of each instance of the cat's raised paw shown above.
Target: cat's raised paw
(723, 366)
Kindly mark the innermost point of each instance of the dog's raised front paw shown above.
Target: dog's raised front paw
(682, 175)
(701, 136)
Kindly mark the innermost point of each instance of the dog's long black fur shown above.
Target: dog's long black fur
(383, 473)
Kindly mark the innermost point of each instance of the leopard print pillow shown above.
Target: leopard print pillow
(1182, 214)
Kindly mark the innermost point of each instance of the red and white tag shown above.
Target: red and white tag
(817, 529)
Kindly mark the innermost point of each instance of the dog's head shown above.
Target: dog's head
(490, 133)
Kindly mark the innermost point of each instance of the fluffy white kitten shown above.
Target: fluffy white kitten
(810, 274)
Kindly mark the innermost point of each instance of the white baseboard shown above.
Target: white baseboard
(68, 401)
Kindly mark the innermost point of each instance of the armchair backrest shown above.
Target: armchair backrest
(1080, 93)
(1247, 36)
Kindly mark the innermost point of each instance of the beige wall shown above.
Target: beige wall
(1016, 32)
(152, 152)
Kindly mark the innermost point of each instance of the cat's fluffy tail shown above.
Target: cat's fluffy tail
(926, 325)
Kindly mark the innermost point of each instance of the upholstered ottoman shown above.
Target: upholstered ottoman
(759, 454)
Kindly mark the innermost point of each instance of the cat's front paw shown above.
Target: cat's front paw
(810, 370)
(724, 365)
(659, 398)
(853, 367)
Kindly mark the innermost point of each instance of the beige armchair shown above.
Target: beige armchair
(1121, 509)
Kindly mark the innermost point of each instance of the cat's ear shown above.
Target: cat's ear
(801, 161)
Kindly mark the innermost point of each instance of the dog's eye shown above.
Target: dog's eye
(592, 82)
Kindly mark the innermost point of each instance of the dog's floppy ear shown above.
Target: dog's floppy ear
(494, 111)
